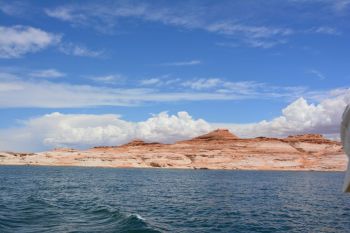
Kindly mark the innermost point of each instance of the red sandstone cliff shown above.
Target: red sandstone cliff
(219, 149)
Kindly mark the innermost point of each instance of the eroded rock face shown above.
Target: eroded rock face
(313, 138)
(138, 142)
(219, 149)
(65, 150)
(216, 135)
(307, 136)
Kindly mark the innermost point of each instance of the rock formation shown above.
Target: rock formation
(216, 135)
(219, 149)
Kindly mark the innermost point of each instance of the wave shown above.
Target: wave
(41, 216)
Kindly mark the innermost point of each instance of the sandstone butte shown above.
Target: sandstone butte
(219, 149)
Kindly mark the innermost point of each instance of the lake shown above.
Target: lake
(79, 199)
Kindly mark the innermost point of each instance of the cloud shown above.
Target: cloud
(183, 63)
(247, 31)
(341, 5)
(337, 7)
(43, 93)
(202, 83)
(325, 30)
(246, 89)
(236, 90)
(82, 131)
(14, 8)
(49, 73)
(161, 81)
(107, 15)
(257, 28)
(151, 81)
(300, 117)
(264, 44)
(227, 44)
(87, 130)
(16, 41)
(104, 18)
(10, 87)
(79, 50)
(47, 94)
(65, 14)
(19, 40)
(109, 79)
(317, 73)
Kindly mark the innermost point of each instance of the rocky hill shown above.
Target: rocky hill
(219, 149)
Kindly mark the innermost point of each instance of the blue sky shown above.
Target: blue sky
(227, 62)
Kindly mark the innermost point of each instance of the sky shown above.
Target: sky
(87, 73)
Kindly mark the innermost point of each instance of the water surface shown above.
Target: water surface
(73, 199)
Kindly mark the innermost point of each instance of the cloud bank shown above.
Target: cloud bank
(83, 131)
(46, 94)
(300, 117)
(40, 89)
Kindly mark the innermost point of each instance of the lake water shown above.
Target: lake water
(73, 199)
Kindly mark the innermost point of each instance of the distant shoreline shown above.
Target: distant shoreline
(217, 150)
(170, 168)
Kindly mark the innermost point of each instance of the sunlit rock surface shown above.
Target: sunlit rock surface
(219, 149)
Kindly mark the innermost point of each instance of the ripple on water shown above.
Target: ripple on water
(68, 199)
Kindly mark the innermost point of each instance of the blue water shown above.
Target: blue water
(72, 199)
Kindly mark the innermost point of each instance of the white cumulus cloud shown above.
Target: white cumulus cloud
(81, 131)
(87, 130)
(300, 117)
